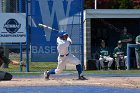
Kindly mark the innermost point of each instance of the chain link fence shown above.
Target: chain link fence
(12, 50)
(14, 55)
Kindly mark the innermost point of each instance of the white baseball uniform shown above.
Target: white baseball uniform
(64, 55)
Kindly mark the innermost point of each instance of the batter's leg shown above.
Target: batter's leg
(58, 70)
(47, 74)
(79, 69)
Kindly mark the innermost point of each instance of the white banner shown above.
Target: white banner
(12, 27)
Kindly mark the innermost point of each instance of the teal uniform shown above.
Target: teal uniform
(104, 51)
(119, 50)
(117, 53)
(138, 40)
(137, 52)
(105, 56)
(127, 36)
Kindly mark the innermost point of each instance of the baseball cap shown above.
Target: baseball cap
(119, 42)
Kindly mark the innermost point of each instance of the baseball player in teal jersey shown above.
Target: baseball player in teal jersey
(65, 57)
(119, 54)
(126, 38)
(105, 55)
(137, 52)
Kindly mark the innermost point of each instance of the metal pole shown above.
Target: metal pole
(20, 11)
(128, 57)
(27, 38)
(82, 32)
(20, 57)
(95, 4)
(20, 6)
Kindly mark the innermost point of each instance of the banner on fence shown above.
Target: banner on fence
(58, 14)
(12, 27)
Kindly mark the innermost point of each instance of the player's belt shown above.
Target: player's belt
(64, 55)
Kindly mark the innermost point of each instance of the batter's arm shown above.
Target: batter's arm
(68, 39)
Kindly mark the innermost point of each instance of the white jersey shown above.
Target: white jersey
(63, 49)
(63, 45)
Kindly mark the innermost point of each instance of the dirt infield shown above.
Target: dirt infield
(122, 82)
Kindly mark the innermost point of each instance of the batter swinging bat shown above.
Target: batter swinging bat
(45, 26)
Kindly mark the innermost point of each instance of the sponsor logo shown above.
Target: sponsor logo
(12, 26)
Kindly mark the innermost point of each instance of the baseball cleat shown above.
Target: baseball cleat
(82, 78)
(46, 75)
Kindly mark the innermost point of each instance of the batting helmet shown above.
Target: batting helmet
(62, 33)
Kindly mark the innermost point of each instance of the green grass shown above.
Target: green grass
(34, 67)
(43, 66)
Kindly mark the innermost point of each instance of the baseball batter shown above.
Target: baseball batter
(65, 57)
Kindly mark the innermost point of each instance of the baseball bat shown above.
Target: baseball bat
(45, 26)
